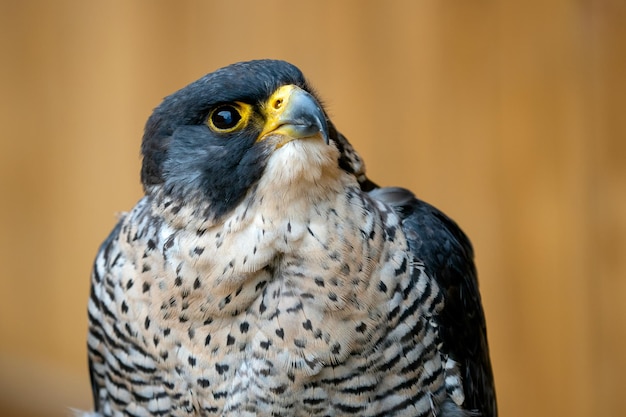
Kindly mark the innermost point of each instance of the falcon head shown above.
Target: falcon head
(217, 137)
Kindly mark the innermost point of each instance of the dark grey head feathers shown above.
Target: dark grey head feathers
(188, 159)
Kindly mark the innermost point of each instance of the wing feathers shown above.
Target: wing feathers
(438, 242)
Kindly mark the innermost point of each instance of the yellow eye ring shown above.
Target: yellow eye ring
(225, 118)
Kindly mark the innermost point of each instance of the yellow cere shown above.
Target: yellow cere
(274, 108)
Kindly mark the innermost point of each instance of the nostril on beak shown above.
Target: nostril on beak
(278, 103)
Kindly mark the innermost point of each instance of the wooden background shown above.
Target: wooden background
(508, 115)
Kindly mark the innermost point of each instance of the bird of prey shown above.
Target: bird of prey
(263, 274)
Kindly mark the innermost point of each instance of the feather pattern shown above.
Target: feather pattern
(303, 290)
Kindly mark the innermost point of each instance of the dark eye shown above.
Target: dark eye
(224, 118)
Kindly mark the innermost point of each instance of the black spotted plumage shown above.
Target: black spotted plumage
(264, 274)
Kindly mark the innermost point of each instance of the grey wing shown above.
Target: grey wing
(447, 254)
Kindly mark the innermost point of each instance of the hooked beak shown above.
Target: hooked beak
(292, 113)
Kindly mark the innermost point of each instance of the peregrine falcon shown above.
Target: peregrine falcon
(263, 274)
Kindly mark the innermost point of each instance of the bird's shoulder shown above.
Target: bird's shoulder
(437, 242)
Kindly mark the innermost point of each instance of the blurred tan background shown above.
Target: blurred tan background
(508, 115)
